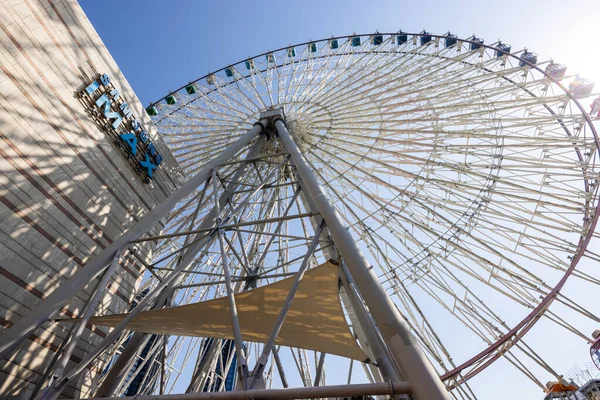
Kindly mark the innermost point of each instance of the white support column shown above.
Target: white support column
(412, 361)
(237, 334)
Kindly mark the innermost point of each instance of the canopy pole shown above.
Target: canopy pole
(404, 349)
(319, 372)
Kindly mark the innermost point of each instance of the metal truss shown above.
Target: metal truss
(466, 176)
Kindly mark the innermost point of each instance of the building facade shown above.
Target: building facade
(80, 162)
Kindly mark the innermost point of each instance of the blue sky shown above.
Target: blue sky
(162, 45)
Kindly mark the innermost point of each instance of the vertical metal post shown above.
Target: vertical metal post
(242, 363)
(350, 371)
(419, 372)
(119, 370)
(280, 367)
(162, 365)
(319, 371)
(18, 332)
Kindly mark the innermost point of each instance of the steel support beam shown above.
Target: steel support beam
(319, 371)
(119, 370)
(21, 329)
(311, 392)
(364, 328)
(237, 334)
(280, 369)
(424, 380)
(373, 341)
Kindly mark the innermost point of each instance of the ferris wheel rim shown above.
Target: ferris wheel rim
(489, 354)
(470, 40)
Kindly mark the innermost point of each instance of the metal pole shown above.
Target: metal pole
(319, 371)
(364, 328)
(162, 365)
(204, 357)
(311, 392)
(270, 343)
(237, 334)
(119, 370)
(280, 367)
(350, 371)
(21, 329)
(419, 372)
(373, 340)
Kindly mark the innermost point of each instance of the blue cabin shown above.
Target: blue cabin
(270, 58)
(355, 41)
(451, 39)
(249, 64)
(528, 58)
(556, 71)
(401, 38)
(229, 72)
(312, 47)
(425, 37)
(333, 43)
(502, 49)
(377, 40)
(291, 52)
(476, 43)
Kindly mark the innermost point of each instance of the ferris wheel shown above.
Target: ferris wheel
(450, 185)
(466, 172)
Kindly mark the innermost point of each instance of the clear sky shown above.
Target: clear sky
(161, 45)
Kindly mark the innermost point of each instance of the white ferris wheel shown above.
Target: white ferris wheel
(446, 189)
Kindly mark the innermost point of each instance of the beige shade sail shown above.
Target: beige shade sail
(315, 320)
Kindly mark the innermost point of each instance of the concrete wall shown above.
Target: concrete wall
(66, 190)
